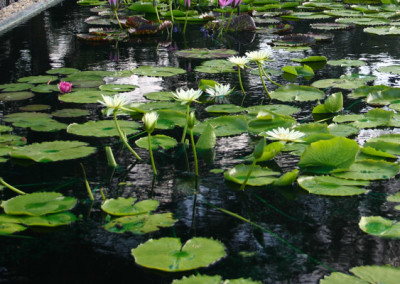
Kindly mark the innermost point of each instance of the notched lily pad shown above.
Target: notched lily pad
(381, 227)
(369, 170)
(117, 87)
(126, 206)
(103, 128)
(15, 87)
(38, 79)
(260, 175)
(289, 93)
(157, 141)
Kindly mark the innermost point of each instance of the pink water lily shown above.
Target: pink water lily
(237, 3)
(187, 3)
(224, 3)
(64, 87)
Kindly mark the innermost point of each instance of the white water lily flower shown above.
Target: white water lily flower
(219, 92)
(150, 121)
(186, 97)
(259, 56)
(114, 103)
(284, 134)
(239, 61)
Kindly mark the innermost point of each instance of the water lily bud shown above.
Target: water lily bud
(150, 121)
(64, 87)
(114, 4)
(191, 120)
(259, 149)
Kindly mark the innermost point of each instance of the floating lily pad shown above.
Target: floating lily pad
(326, 155)
(163, 105)
(364, 91)
(392, 69)
(259, 176)
(84, 96)
(384, 97)
(10, 228)
(216, 66)
(38, 79)
(103, 38)
(87, 84)
(343, 13)
(15, 87)
(223, 125)
(342, 130)
(207, 139)
(15, 96)
(126, 206)
(381, 227)
(339, 83)
(294, 40)
(224, 108)
(53, 151)
(369, 170)
(275, 108)
(305, 16)
(12, 140)
(97, 75)
(384, 30)
(35, 107)
(332, 26)
(365, 275)
(204, 53)
(4, 128)
(290, 93)
(168, 119)
(35, 121)
(159, 96)
(363, 21)
(269, 122)
(346, 63)
(117, 87)
(140, 224)
(157, 141)
(158, 71)
(103, 128)
(45, 89)
(38, 203)
(70, 112)
(389, 143)
(327, 185)
(369, 152)
(216, 279)
(371, 119)
(168, 254)
(62, 71)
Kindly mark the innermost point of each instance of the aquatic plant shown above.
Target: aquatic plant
(150, 121)
(259, 57)
(64, 87)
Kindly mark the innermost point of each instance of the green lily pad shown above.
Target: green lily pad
(87, 84)
(53, 151)
(168, 254)
(159, 96)
(216, 66)
(15, 96)
(163, 105)
(207, 139)
(394, 197)
(389, 143)
(12, 140)
(126, 206)
(84, 96)
(225, 108)
(70, 112)
(305, 16)
(168, 119)
(158, 71)
(140, 224)
(117, 87)
(204, 53)
(216, 279)
(259, 126)
(332, 186)
(62, 71)
(35, 107)
(95, 75)
(275, 108)
(15, 87)
(332, 26)
(304, 70)
(383, 30)
(10, 228)
(371, 119)
(103, 128)
(312, 128)
(290, 93)
(395, 107)
(385, 97)
(372, 153)
(369, 170)
(4, 128)
(37, 79)
(310, 59)
(381, 227)
(223, 125)
(346, 63)
(51, 220)
(343, 13)
(364, 91)
(259, 176)
(339, 83)
(392, 69)
(45, 89)
(363, 21)
(325, 155)
(38, 204)
(287, 178)
(35, 120)
(157, 141)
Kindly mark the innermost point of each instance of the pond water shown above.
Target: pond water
(305, 236)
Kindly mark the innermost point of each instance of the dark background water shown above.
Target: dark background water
(323, 231)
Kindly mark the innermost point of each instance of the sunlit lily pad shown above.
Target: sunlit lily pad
(216, 279)
(162, 105)
(204, 53)
(290, 93)
(363, 21)
(343, 130)
(4, 128)
(35, 107)
(275, 108)
(117, 87)
(381, 227)
(260, 125)
(158, 71)
(159, 96)
(15, 87)
(369, 170)
(103, 128)
(88, 76)
(216, 66)
(332, 26)
(223, 125)
(207, 139)
(38, 203)
(84, 96)
(10, 228)
(392, 69)
(294, 40)
(346, 63)
(384, 97)
(383, 30)
(364, 91)
(224, 108)
(140, 224)
(127, 206)
(332, 186)
(53, 151)
(343, 13)
(12, 140)
(389, 143)
(62, 71)
(371, 119)
(260, 176)
(15, 96)
(305, 16)
(51, 220)
(365, 274)
(38, 79)
(70, 112)
(45, 89)
(168, 119)
(340, 83)
(157, 141)
(168, 254)
(35, 121)
(368, 152)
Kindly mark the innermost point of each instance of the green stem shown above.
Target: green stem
(158, 17)
(186, 123)
(151, 154)
(123, 138)
(116, 15)
(229, 22)
(184, 27)
(248, 175)
(262, 80)
(222, 24)
(170, 9)
(269, 79)
(11, 187)
(196, 166)
(89, 190)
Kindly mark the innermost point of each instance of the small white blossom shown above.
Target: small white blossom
(219, 92)
(186, 97)
(114, 103)
(239, 61)
(150, 121)
(259, 56)
(284, 134)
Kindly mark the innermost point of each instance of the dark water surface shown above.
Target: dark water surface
(323, 231)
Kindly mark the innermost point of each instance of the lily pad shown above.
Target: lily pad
(383, 30)
(216, 279)
(15, 87)
(53, 151)
(35, 107)
(126, 206)
(225, 108)
(84, 96)
(290, 93)
(346, 63)
(4, 128)
(157, 141)
(159, 96)
(332, 26)
(10, 228)
(392, 69)
(103, 128)
(168, 119)
(35, 121)
(38, 79)
(305, 16)
(275, 108)
(384, 97)
(259, 176)
(168, 254)
(158, 71)
(363, 21)
(369, 170)
(12, 140)
(38, 204)
(381, 227)
(45, 89)
(364, 91)
(216, 66)
(207, 139)
(294, 40)
(371, 119)
(223, 125)
(204, 53)
(62, 71)
(70, 112)
(332, 186)
(389, 143)
(343, 130)
(140, 224)
(117, 87)
(15, 96)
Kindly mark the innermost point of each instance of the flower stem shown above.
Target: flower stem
(11, 187)
(89, 190)
(170, 9)
(269, 79)
(116, 15)
(151, 154)
(229, 22)
(248, 175)
(158, 17)
(184, 27)
(123, 138)
(186, 123)
(262, 80)
(196, 166)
